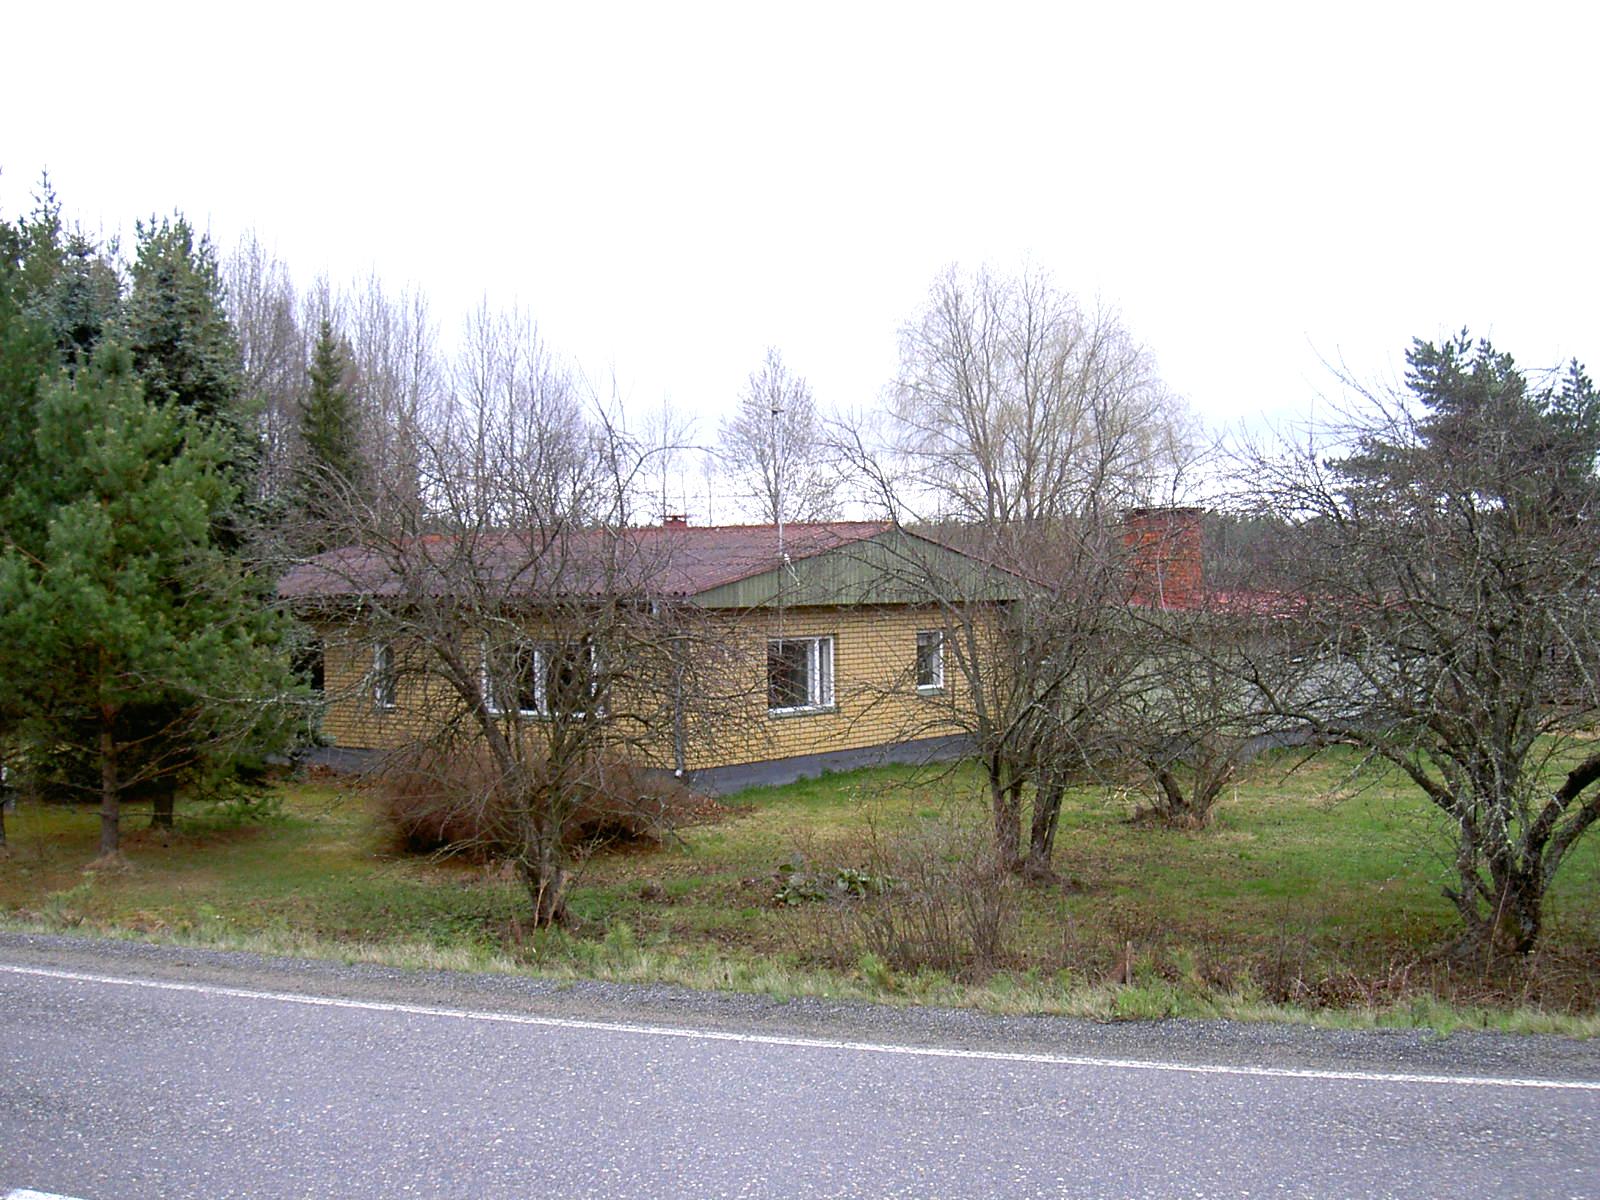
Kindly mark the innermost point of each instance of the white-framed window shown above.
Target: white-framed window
(539, 679)
(799, 674)
(383, 675)
(930, 660)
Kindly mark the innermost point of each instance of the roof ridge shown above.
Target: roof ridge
(879, 522)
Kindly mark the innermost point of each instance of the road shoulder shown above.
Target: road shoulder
(1198, 1043)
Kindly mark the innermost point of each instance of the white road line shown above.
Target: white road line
(805, 1043)
(26, 1194)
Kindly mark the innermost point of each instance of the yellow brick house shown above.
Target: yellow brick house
(835, 635)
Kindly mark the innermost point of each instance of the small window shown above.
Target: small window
(536, 679)
(799, 674)
(310, 663)
(930, 660)
(383, 675)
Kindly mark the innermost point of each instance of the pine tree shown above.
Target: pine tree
(129, 637)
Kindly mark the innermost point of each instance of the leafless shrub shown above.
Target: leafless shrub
(453, 800)
(950, 906)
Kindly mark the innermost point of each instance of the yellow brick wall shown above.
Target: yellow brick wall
(875, 695)
(352, 717)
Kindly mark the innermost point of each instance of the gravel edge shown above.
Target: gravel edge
(1227, 1043)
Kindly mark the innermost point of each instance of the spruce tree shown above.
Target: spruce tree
(176, 325)
(26, 355)
(331, 474)
(66, 281)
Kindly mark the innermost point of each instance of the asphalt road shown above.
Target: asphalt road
(130, 1071)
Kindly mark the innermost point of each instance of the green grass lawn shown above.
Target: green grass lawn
(1314, 895)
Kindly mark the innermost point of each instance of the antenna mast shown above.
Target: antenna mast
(777, 478)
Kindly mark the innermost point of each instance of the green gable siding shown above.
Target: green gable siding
(893, 567)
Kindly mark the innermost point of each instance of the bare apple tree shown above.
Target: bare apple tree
(1021, 427)
(1444, 570)
(1185, 720)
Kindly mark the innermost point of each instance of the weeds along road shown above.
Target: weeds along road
(130, 1071)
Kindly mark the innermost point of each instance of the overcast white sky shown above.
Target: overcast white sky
(670, 188)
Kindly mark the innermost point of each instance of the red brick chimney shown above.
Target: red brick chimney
(1165, 563)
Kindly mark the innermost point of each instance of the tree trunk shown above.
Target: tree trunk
(1042, 838)
(110, 795)
(1207, 788)
(1506, 917)
(545, 875)
(163, 800)
(1006, 799)
(1173, 804)
(1518, 912)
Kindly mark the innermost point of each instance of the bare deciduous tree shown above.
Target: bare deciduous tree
(1443, 572)
(1021, 428)
(1015, 408)
(774, 448)
(394, 345)
(516, 440)
(1034, 653)
(669, 434)
(1185, 719)
(517, 608)
(273, 350)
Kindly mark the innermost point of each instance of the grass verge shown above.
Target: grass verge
(1314, 898)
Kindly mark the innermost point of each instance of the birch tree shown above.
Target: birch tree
(775, 451)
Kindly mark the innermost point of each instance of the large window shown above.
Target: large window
(799, 674)
(930, 660)
(383, 675)
(538, 679)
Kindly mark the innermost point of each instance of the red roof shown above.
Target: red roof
(1237, 603)
(674, 560)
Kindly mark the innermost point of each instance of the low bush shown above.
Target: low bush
(452, 800)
